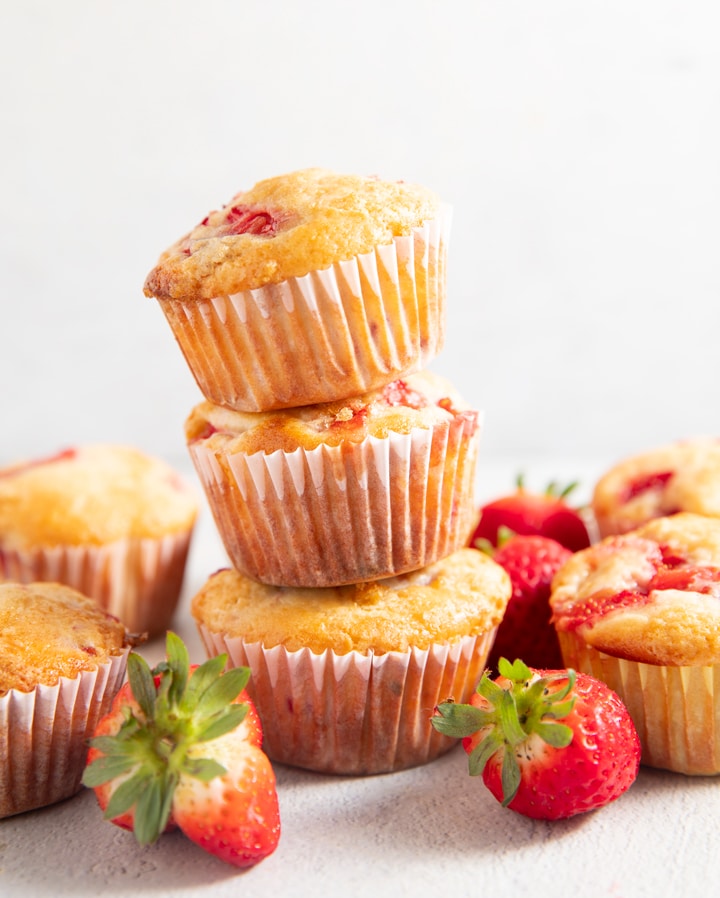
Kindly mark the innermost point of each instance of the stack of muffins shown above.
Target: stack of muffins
(340, 473)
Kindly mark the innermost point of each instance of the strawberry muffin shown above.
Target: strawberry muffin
(341, 492)
(683, 476)
(62, 659)
(345, 679)
(309, 287)
(109, 521)
(641, 611)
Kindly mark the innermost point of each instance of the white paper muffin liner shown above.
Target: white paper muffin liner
(44, 733)
(346, 514)
(136, 580)
(327, 335)
(676, 710)
(354, 714)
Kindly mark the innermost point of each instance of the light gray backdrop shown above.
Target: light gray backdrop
(577, 141)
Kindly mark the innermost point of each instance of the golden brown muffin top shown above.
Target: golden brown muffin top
(49, 631)
(683, 476)
(465, 594)
(652, 595)
(419, 400)
(92, 495)
(286, 227)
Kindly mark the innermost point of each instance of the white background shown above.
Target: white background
(578, 143)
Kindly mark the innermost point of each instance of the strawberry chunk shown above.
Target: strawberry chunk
(644, 483)
(399, 393)
(247, 220)
(601, 603)
(690, 577)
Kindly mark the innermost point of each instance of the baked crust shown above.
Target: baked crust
(49, 631)
(464, 594)
(652, 595)
(92, 495)
(682, 476)
(288, 226)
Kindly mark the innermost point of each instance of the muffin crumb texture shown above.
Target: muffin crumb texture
(464, 594)
(48, 631)
(285, 227)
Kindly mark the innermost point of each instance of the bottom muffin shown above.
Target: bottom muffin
(62, 659)
(345, 679)
(641, 612)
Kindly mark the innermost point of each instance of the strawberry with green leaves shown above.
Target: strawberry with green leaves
(548, 744)
(181, 747)
(526, 512)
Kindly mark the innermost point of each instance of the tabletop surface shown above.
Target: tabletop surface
(418, 832)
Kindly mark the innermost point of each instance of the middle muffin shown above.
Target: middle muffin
(342, 492)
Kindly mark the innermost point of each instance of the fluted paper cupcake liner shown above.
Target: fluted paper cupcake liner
(676, 710)
(136, 580)
(327, 335)
(44, 733)
(354, 714)
(346, 514)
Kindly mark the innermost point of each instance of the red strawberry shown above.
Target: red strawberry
(530, 762)
(544, 514)
(181, 747)
(526, 631)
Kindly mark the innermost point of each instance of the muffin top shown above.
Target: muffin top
(683, 476)
(92, 495)
(286, 227)
(49, 631)
(652, 595)
(464, 594)
(420, 400)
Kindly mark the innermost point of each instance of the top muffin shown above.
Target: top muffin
(285, 227)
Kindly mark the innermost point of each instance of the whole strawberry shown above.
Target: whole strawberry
(526, 512)
(530, 762)
(181, 747)
(525, 630)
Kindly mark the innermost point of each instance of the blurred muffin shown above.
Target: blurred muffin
(109, 521)
(62, 659)
(641, 611)
(345, 679)
(309, 287)
(342, 492)
(683, 476)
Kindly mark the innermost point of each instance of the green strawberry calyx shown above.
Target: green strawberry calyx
(527, 706)
(176, 711)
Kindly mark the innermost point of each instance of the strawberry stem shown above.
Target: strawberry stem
(522, 705)
(175, 711)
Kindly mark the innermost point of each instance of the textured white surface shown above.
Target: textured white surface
(428, 831)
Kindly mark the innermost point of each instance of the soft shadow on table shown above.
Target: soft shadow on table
(435, 809)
